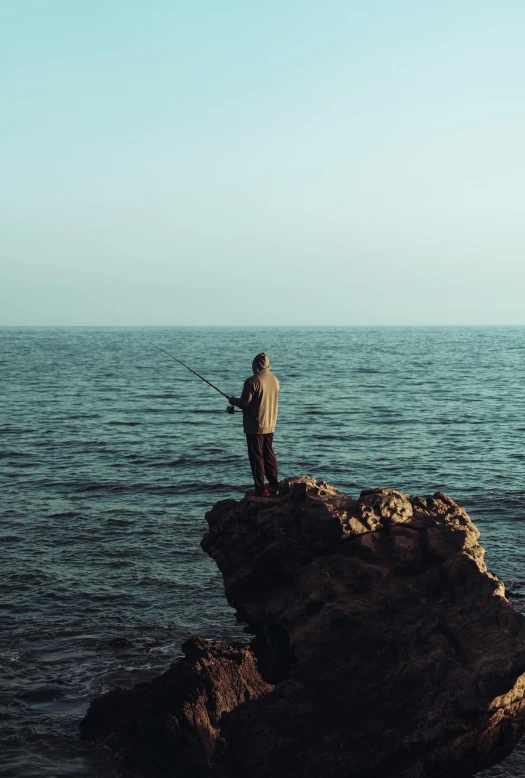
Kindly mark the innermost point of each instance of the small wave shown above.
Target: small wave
(398, 422)
(169, 396)
(198, 487)
(15, 656)
(124, 423)
(37, 577)
(117, 642)
(206, 410)
(100, 487)
(149, 488)
(173, 463)
(119, 563)
(41, 694)
(122, 511)
(65, 515)
(15, 431)
(108, 597)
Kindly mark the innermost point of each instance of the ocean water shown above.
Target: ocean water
(111, 453)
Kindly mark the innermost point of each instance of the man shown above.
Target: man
(259, 412)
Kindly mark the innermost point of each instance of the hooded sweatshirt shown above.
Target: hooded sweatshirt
(259, 398)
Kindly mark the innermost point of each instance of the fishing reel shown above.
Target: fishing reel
(230, 409)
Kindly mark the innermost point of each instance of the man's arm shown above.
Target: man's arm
(246, 397)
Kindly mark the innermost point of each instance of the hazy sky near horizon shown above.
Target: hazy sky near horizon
(198, 162)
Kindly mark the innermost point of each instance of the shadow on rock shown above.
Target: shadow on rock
(383, 648)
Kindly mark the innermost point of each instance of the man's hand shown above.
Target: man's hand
(232, 400)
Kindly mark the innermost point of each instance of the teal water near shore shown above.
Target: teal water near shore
(110, 455)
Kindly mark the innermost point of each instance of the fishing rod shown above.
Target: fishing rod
(230, 409)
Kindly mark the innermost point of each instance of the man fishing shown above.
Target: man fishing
(258, 403)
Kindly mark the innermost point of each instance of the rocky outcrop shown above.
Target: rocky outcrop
(393, 650)
(383, 648)
(170, 726)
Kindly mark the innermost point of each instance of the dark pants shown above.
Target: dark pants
(262, 460)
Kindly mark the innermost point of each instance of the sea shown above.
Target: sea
(111, 453)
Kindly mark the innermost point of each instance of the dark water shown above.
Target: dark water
(110, 455)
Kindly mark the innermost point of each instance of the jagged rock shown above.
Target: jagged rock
(394, 652)
(383, 648)
(170, 726)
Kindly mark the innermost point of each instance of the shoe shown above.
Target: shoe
(272, 490)
(253, 493)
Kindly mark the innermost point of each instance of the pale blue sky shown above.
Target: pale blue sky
(200, 162)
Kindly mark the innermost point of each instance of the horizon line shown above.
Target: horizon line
(244, 326)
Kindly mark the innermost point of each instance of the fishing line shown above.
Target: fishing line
(230, 409)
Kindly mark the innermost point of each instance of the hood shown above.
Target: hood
(261, 362)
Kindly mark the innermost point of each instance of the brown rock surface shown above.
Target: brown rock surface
(393, 650)
(170, 726)
(383, 649)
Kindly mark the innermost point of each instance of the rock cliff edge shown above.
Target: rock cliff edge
(383, 648)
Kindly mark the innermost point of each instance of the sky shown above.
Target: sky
(211, 162)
